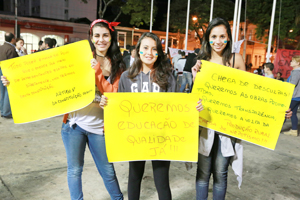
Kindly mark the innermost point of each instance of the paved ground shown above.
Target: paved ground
(33, 167)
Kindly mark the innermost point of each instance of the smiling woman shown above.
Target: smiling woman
(86, 126)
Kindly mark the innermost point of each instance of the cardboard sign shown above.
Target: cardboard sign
(51, 82)
(242, 104)
(151, 126)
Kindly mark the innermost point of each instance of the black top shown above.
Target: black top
(190, 62)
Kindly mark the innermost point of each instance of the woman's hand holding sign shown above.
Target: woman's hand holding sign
(4, 81)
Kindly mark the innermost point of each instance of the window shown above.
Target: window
(66, 14)
(122, 39)
(136, 38)
(66, 3)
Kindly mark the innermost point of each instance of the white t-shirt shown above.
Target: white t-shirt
(90, 118)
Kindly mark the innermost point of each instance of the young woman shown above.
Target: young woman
(149, 72)
(85, 126)
(20, 47)
(217, 150)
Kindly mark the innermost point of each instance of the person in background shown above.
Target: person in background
(278, 76)
(40, 46)
(128, 60)
(268, 69)
(294, 79)
(178, 67)
(187, 71)
(53, 42)
(7, 51)
(20, 47)
(47, 44)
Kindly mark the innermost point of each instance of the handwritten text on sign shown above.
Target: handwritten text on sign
(151, 126)
(241, 104)
(50, 82)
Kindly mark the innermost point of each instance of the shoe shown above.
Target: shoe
(291, 132)
(7, 117)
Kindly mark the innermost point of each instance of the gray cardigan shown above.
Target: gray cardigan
(295, 79)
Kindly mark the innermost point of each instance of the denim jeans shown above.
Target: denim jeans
(4, 100)
(75, 140)
(187, 78)
(216, 164)
(294, 107)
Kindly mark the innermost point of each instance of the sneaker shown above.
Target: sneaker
(291, 132)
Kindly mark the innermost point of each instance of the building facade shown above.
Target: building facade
(52, 9)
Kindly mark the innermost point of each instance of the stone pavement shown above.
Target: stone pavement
(33, 167)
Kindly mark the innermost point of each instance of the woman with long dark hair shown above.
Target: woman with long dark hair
(85, 126)
(216, 150)
(149, 72)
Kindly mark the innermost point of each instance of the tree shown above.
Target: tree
(199, 15)
(259, 13)
(137, 9)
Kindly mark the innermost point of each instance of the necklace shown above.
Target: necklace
(101, 56)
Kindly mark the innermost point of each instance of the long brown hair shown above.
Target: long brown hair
(161, 71)
(113, 53)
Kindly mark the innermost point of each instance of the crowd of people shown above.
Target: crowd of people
(146, 69)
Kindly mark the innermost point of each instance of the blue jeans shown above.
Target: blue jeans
(75, 140)
(294, 107)
(216, 164)
(4, 100)
(187, 78)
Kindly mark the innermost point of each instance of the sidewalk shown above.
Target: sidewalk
(33, 166)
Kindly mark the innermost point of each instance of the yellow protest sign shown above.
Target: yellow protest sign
(242, 104)
(151, 126)
(51, 82)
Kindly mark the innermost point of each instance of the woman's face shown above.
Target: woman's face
(218, 38)
(102, 39)
(148, 52)
(19, 44)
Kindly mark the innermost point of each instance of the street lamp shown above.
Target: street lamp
(195, 19)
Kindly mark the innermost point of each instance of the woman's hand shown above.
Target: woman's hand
(103, 102)
(196, 68)
(288, 113)
(4, 81)
(93, 63)
(199, 106)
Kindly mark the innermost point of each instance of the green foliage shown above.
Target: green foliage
(259, 13)
(140, 11)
